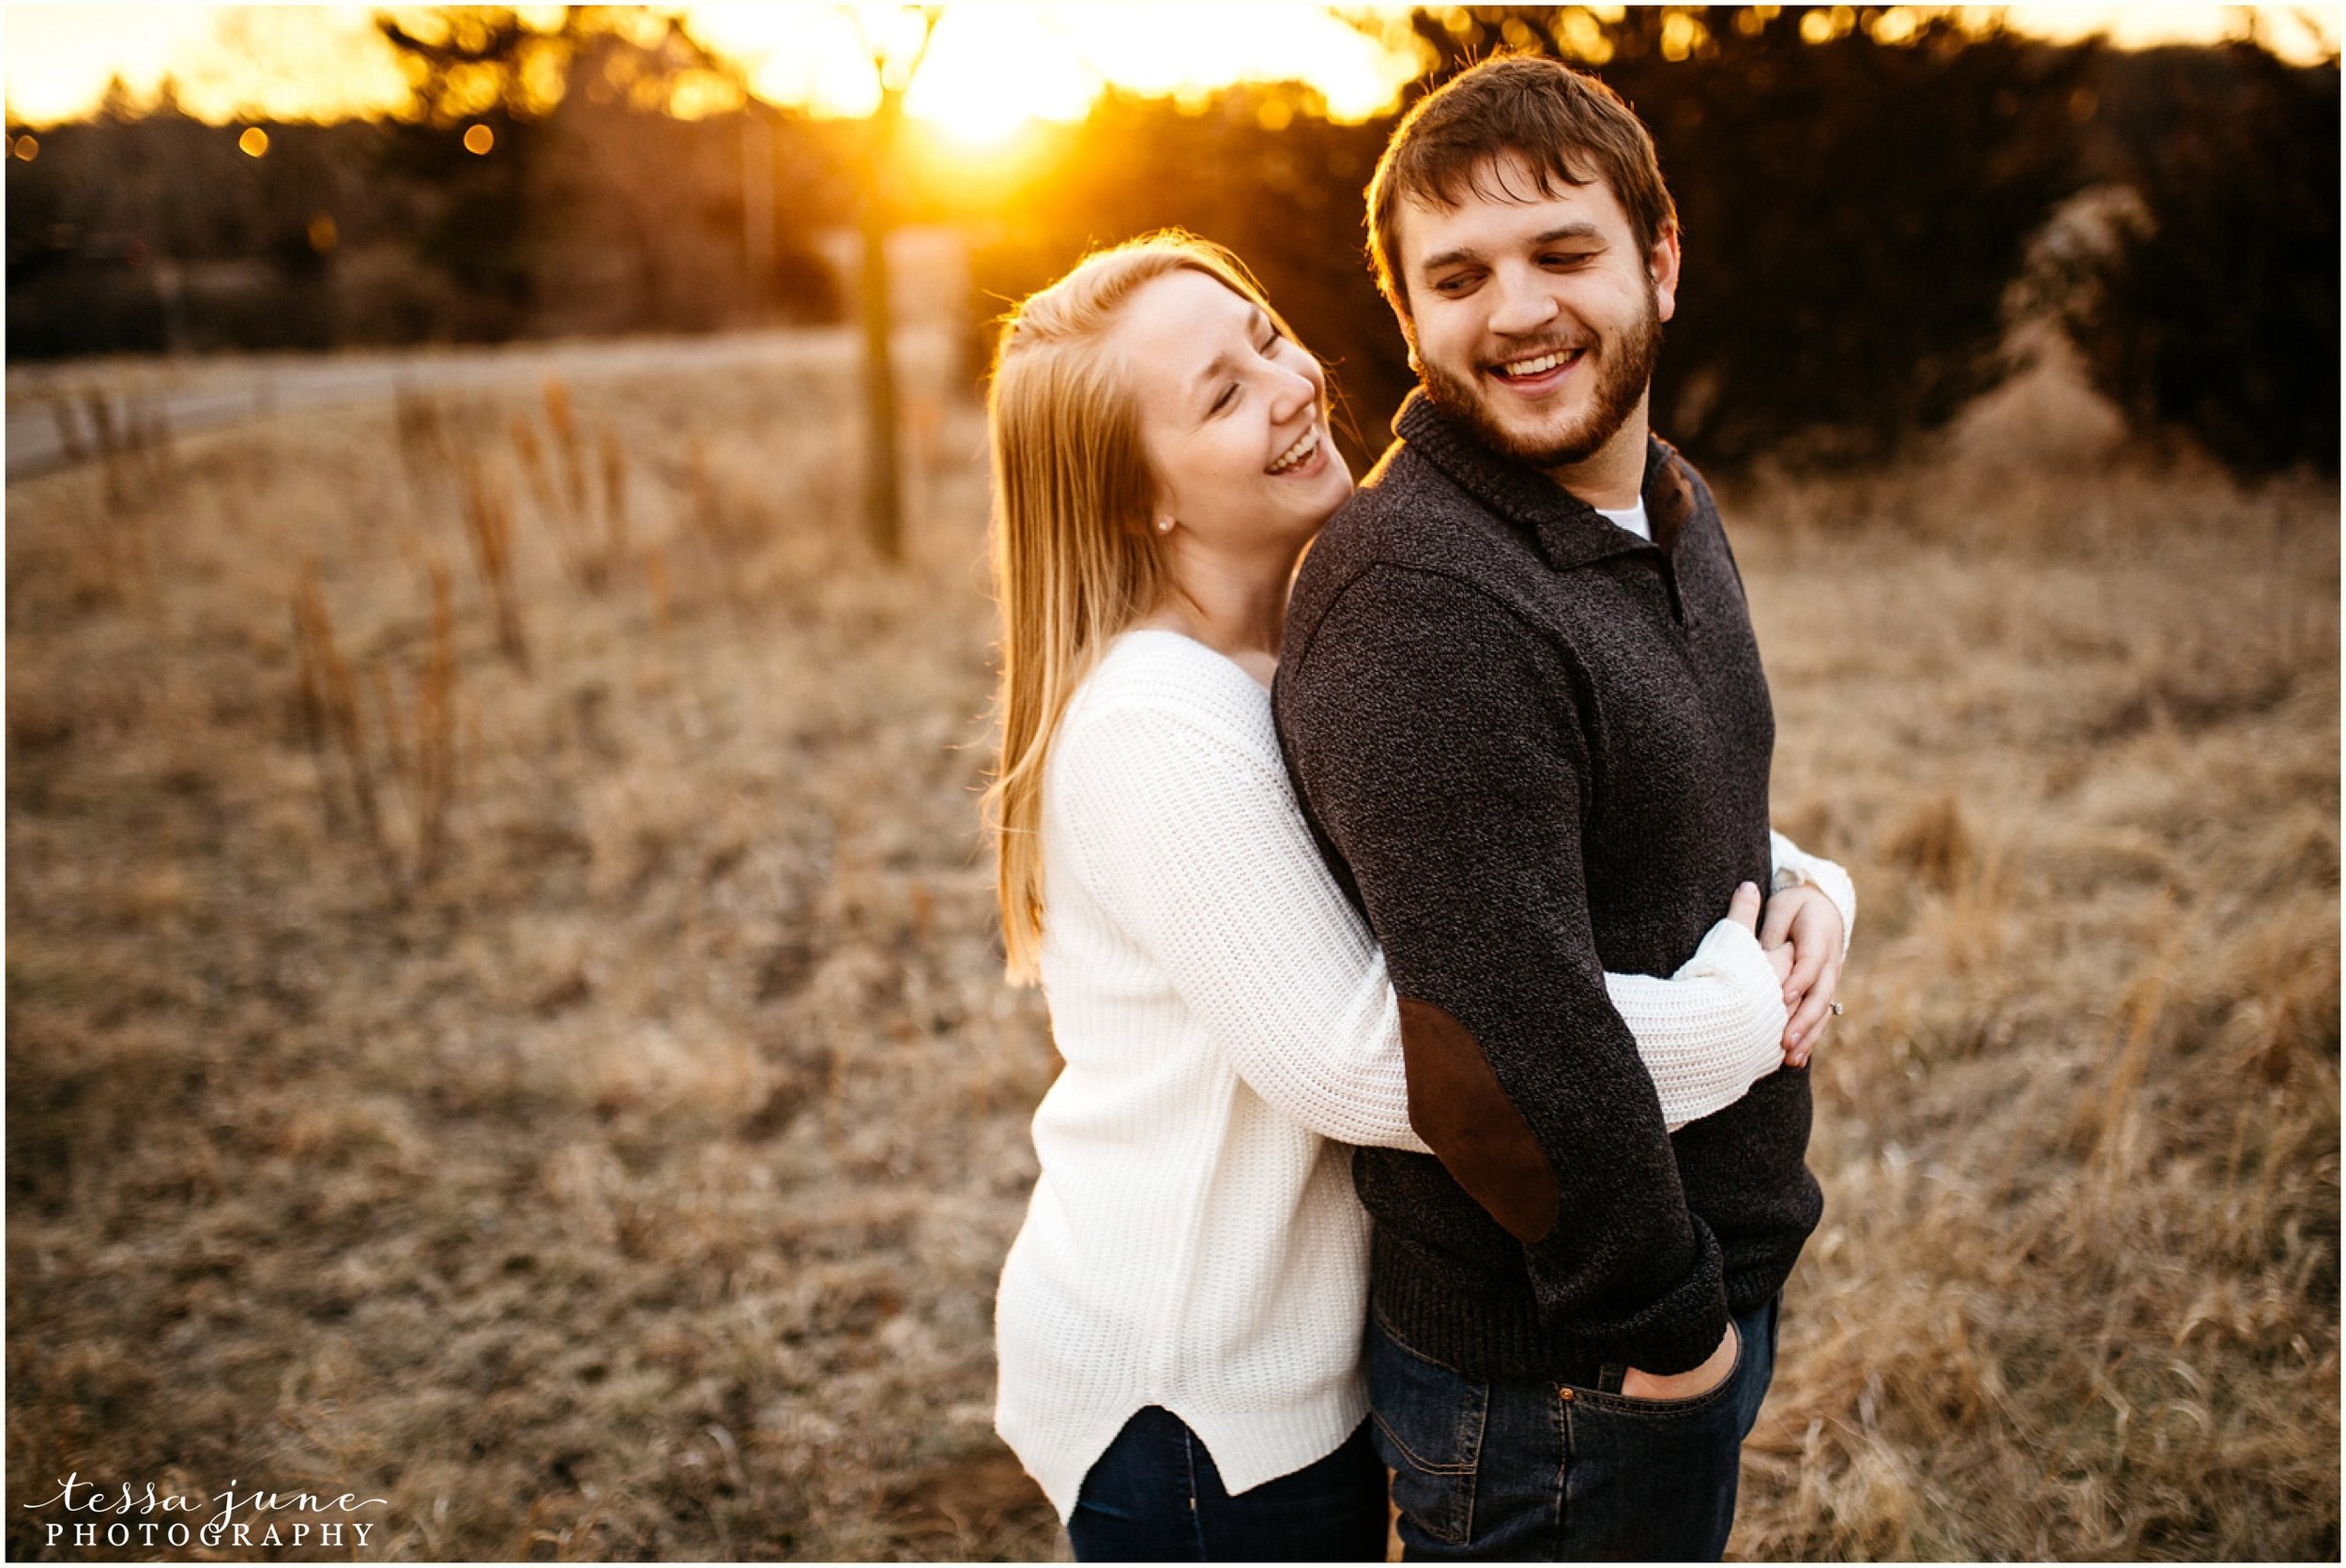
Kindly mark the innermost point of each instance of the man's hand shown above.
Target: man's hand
(1805, 919)
(1684, 1385)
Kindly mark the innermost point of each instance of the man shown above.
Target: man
(1522, 703)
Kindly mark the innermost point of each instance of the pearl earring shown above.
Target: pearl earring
(1164, 524)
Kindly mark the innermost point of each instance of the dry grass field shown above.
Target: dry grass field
(503, 1015)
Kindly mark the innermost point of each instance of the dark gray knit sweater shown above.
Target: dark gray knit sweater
(1535, 748)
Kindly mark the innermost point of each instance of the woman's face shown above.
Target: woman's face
(1233, 416)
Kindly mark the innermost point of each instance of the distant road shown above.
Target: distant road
(199, 394)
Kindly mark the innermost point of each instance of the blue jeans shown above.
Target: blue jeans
(1518, 1470)
(1155, 1497)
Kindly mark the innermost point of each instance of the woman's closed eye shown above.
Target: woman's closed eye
(1268, 348)
(1231, 395)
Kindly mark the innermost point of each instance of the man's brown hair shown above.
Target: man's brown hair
(1566, 125)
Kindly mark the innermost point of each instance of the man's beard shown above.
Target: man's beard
(1624, 368)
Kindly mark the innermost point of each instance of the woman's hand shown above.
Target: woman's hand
(1802, 922)
(1743, 909)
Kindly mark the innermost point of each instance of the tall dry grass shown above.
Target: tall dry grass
(2070, 716)
(634, 1183)
(413, 754)
(564, 506)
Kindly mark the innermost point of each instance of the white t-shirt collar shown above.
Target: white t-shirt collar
(1632, 518)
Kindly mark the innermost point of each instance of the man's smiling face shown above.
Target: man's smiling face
(1535, 316)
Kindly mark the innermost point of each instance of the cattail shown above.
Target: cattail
(561, 527)
(68, 428)
(329, 700)
(166, 459)
(656, 578)
(614, 497)
(567, 437)
(394, 742)
(310, 697)
(533, 464)
(423, 451)
(701, 498)
(489, 523)
(149, 444)
(101, 416)
(435, 729)
(111, 450)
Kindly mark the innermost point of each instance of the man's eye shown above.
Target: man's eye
(1565, 258)
(1452, 285)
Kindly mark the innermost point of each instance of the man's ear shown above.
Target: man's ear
(1393, 283)
(1662, 266)
(1399, 305)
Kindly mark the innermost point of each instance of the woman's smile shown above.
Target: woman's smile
(1304, 458)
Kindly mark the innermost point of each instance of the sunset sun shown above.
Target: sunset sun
(986, 75)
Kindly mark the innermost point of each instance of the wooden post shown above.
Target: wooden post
(883, 500)
(883, 504)
(757, 203)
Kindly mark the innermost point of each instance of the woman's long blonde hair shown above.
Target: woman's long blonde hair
(1075, 561)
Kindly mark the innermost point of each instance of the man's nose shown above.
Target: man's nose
(1523, 303)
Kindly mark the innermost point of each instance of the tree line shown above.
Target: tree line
(1868, 199)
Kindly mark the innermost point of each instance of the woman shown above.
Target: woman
(1180, 1316)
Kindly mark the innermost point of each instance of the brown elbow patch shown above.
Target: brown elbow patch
(1466, 1119)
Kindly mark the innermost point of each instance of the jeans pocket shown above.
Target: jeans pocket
(1717, 1393)
(1428, 1423)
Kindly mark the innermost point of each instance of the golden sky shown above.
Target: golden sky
(991, 66)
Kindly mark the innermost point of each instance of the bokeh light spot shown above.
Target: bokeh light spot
(479, 139)
(1582, 38)
(1895, 27)
(254, 142)
(26, 149)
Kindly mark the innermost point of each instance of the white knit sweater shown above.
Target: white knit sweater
(1227, 1030)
